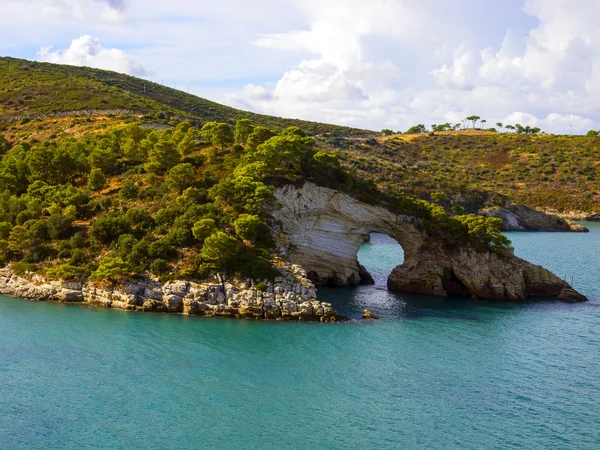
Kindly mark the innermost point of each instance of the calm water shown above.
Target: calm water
(431, 374)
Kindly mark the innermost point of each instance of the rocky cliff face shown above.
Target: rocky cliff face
(524, 218)
(291, 297)
(322, 229)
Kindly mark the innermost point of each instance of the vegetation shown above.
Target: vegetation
(137, 199)
(33, 90)
(158, 180)
(473, 169)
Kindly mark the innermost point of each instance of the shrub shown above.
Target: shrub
(66, 272)
(247, 226)
(107, 228)
(5, 229)
(129, 191)
(203, 229)
(161, 249)
(59, 227)
(111, 267)
(181, 177)
(22, 268)
(180, 237)
(159, 267)
(96, 180)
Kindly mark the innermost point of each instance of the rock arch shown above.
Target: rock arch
(322, 229)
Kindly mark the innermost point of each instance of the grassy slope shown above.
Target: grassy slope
(471, 168)
(32, 88)
(559, 172)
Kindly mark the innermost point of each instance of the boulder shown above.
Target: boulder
(571, 295)
(368, 315)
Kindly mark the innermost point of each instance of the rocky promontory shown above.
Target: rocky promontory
(290, 297)
(322, 229)
(523, 218)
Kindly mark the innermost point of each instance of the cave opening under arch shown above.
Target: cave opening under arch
(377, 257)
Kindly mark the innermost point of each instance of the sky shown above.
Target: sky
(365, 63)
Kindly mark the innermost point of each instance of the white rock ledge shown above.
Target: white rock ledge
(292, 297)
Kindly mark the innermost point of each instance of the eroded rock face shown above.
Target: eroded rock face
(291, 297)
(524, 218)
(322, 229)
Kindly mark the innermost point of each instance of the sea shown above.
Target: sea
(432, 373)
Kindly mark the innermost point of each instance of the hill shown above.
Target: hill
(467, 169)
(33, 90)
(474, 169)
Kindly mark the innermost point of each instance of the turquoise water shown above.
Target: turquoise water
(433, 373)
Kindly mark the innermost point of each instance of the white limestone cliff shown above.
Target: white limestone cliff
(322, 229)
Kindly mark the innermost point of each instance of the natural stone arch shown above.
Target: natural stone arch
(322, 229)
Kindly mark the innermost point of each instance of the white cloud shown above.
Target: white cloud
(87, 51)
(457, 76)
(372, 64)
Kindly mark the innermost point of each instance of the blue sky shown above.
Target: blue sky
(366, 63)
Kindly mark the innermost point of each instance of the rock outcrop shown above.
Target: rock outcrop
(523, 218)
(322, 229)
(290, 297)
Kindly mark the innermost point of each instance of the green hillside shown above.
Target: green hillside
(32, 89)
(467, 169)
(475, 169)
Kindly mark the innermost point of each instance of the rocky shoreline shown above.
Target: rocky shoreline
(291, 297)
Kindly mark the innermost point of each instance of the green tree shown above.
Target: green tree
(204, 228)
(134, 152)
(484, 232)
(109, 227)
(181, 177)
(247, 226)
(188, 143)
(243, 129)
(5, 229)
(19, 240)
(258, 136)
(111, 267)
(219, 253)
(40, 165)
(286, 155)
(96, 180)
(105, 155)
(417, 129)
(473, 119)
(387, 132)
(221, 135)
(500, 125)
(162, 157)
(207, 130)
(69, 161)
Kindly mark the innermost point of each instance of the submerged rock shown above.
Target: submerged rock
(368, 315)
